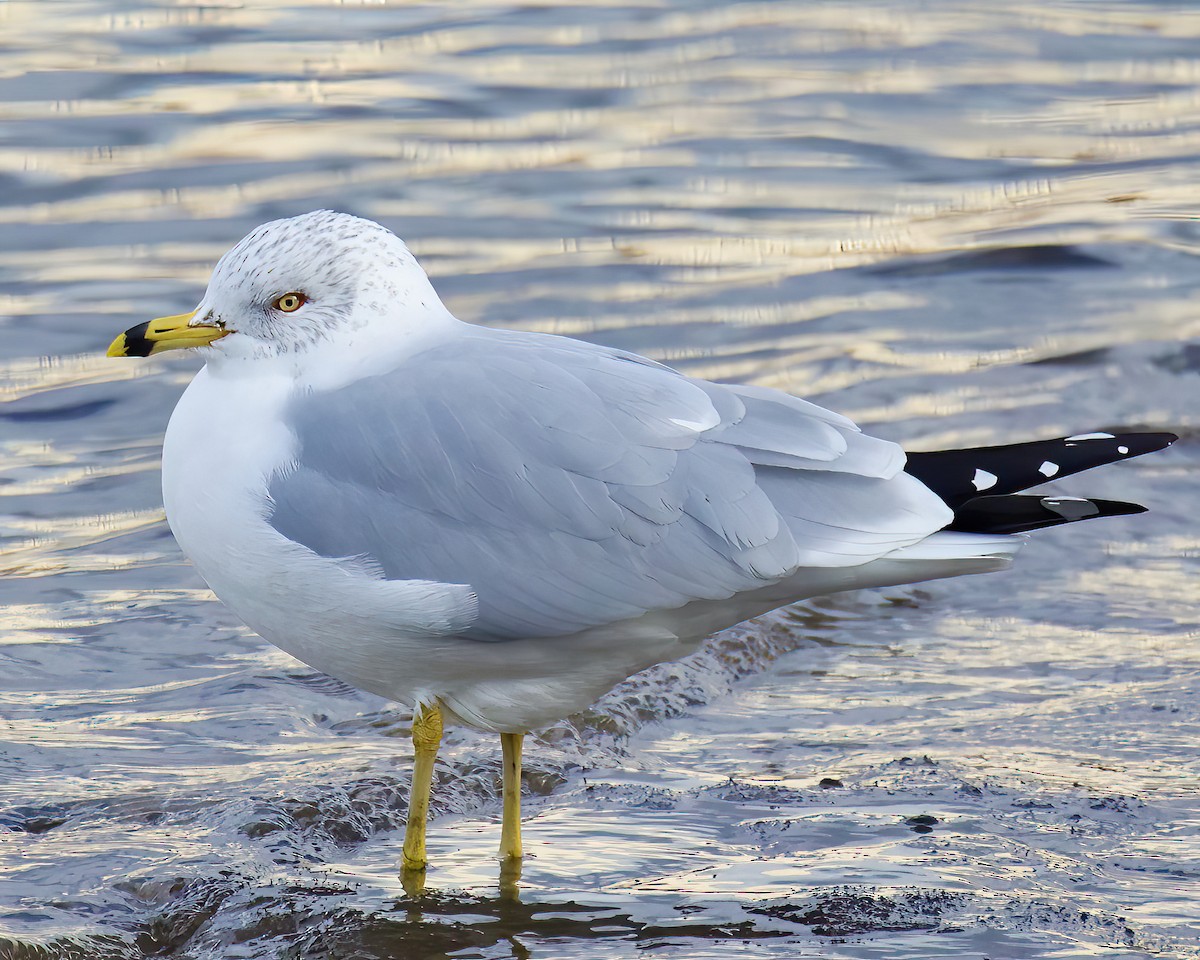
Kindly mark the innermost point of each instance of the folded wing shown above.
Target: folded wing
(572, 485)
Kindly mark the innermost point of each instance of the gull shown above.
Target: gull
(495, 527)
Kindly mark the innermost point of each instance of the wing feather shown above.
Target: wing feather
(570, 485)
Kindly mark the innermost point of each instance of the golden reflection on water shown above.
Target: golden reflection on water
(652, 122)
(70, 544)
(788, 194)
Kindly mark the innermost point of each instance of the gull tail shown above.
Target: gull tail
(978, 483)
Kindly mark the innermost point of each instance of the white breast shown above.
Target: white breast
(224, 441)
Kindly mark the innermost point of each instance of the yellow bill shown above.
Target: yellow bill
(165, 333)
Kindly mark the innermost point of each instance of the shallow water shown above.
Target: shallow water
(954, 221)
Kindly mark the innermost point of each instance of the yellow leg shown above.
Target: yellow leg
(427, 736)
(510, 824)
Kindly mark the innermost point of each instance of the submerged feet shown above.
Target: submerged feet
(427, 737)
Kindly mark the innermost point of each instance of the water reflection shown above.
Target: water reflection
(955, 222)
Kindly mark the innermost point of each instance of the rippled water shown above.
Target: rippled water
(958, 222)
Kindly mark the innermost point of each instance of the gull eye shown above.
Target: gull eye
(290, 302)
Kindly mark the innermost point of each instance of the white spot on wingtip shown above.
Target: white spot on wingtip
(1090, 436)
(1122, 450)
(983, 480)
(1048, 469)
(1071, 508)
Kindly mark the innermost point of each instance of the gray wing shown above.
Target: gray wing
(572, 485)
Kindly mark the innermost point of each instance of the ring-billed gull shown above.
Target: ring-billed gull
(499, 526)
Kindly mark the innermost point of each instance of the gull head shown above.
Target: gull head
(291, 284)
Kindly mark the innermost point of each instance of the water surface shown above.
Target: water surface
(955, 221)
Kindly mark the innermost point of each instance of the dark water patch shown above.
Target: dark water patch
(1032, 257)
(178, 908)
(922, 761)
(1184, 358)
(35, 819)
(1032, 803)
(22, 412)
(770, 794)
(854, 913)
(1089, 926)
(140, 808)
(316, 681)
(100, 947)
(316, 890)
(1078, 358)
(341, 815)
(442, 926)
(640, 797)
(1123, 805)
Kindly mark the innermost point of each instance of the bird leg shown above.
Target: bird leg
(510, 824)
(427, 736)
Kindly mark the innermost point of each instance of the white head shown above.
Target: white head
(290, 284)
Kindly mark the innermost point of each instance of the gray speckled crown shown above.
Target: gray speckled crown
(351, 271)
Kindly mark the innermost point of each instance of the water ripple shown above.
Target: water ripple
(956, 222)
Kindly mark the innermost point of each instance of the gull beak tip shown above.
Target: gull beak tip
(165, 333)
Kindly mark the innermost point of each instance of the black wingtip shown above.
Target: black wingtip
(958, 476)
(1164, 439)
(1139, 443)
(1117, 446)
(1017, 513)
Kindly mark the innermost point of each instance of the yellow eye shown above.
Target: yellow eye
(290, 302)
